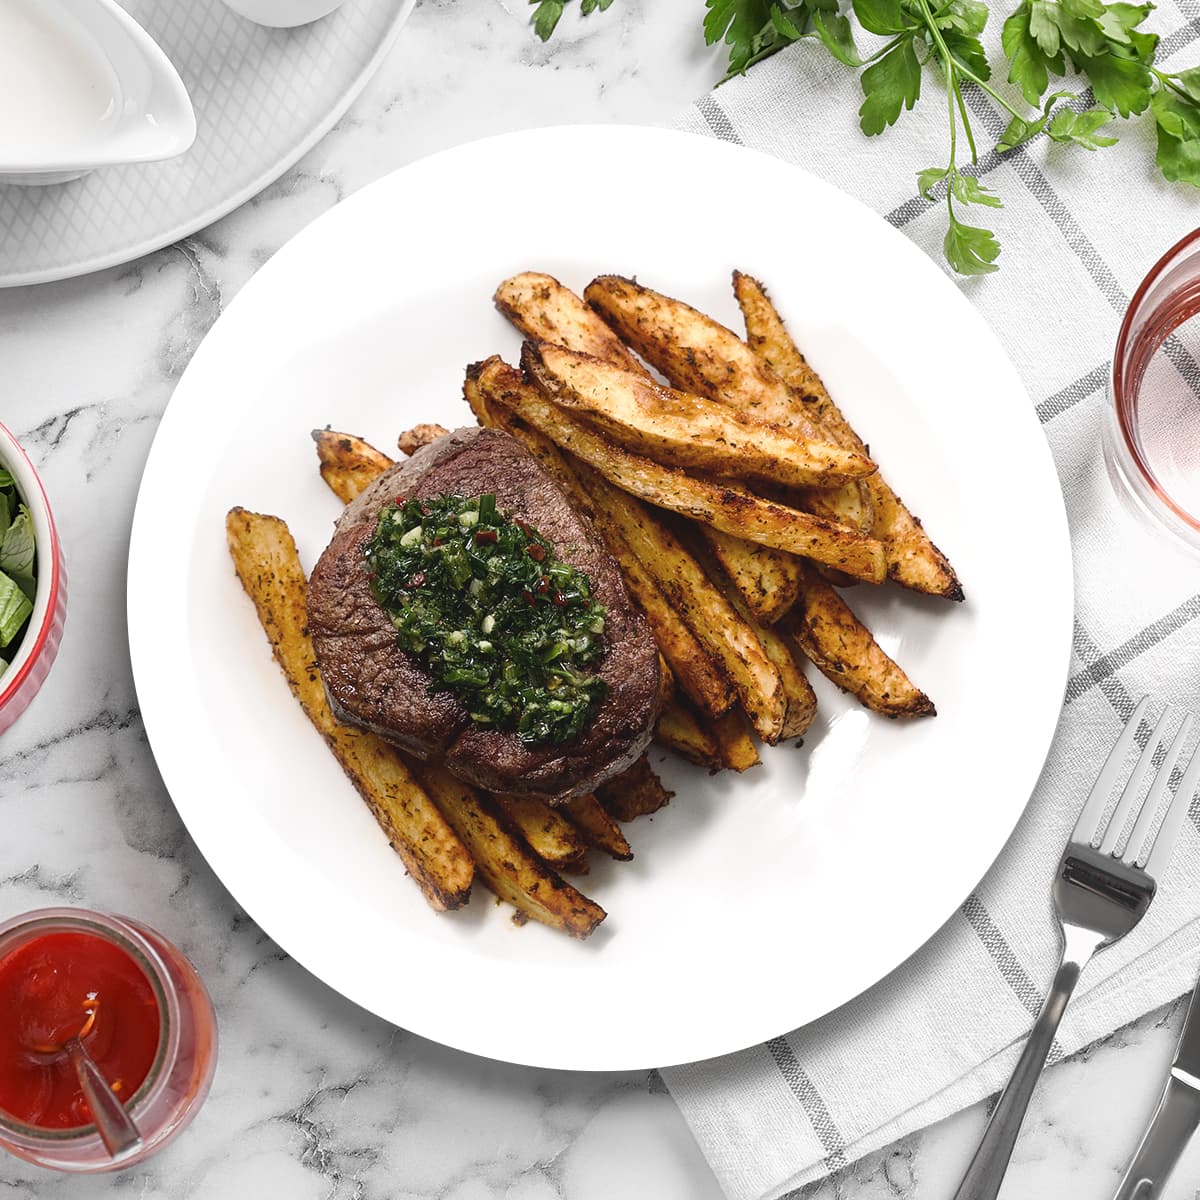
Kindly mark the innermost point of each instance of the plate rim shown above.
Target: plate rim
(215, 212)
(1064, 597)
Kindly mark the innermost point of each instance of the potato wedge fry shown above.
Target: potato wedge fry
(599, 830)
(348, 464)
(411, 440)
(913, 560)
(265, 558)
(695, 672)
(801, 699)
(634, 793)
(842, 648)
(502, 859)
(697, 354)
(732, 731)
(722, 505)
(682, 430)
(767, 580)
(726, 637)
(550, 835)
(542, 309)
(678, 729)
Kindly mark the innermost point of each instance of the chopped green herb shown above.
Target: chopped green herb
(482, 602)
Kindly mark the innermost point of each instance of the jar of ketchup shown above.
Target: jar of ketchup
(141, 1013)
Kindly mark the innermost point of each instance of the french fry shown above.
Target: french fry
(722, 505)
(599, 829)
(695, 672)
(698, 354)
(678, 729)
(725, 636)
(634, 793)
(502, 859)
(542, 309)
(732, 731)
(695, 353)
(268, 565)
(842, 648)
(682, 430)
(767, 580)
(411, 440)
(550, 835)
(913, 561)
(348, 464)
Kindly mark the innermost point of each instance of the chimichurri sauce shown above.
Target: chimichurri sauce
(481, 601)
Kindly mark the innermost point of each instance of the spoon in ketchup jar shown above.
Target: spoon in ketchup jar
(76, 986)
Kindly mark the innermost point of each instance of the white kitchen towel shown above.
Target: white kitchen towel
(1079, 231)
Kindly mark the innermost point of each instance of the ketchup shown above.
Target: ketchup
(52, 988)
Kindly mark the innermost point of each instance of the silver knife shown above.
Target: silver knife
(1175, 1119)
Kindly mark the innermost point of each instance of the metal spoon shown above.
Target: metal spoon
(115, 1126)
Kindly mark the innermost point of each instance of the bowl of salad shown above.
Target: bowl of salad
(33, 582)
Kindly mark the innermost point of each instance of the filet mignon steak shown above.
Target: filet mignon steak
(372, 683)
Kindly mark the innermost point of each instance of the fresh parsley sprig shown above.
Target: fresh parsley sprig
(1100, 43)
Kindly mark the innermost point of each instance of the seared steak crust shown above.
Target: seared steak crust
(372, 683)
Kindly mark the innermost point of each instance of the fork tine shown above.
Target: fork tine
(1130, 793)
(1168, 831)
(1089, 822)
(1156, 793)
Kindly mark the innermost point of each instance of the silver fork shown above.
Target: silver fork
(1099, 896)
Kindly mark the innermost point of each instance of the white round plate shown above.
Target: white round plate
(756, 903)
(263, 97)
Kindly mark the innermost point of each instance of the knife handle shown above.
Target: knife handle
(1174, 1122)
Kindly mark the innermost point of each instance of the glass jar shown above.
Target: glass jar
(1152, 431)
(182, 1071)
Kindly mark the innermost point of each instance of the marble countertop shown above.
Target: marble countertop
(314, 1097)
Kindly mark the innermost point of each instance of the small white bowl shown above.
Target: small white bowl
(39, 644)
(83, 85)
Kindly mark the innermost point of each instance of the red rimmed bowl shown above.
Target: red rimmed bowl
(39, 643)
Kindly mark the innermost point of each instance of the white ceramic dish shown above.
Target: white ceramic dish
(84, 86)
(755, 903)
(264, 97)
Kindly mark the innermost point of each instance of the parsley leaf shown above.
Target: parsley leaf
(1067, 125)
(880, 16)
(739, 24)
(927, 178)
(1122, 84)
(1178, 120)
(890, 85)
(547, 13)
(969, 190)
(970, 250)
(1029, 66)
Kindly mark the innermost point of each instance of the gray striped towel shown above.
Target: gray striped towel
(1079, 230)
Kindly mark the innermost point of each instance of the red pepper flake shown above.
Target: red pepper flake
(558, 600)
(536, 552)
(529, 598)
(486, 536)
(438, 541)
(398, 502)
(523, 526)
(543, 586)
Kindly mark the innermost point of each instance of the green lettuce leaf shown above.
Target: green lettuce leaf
(15, 608)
